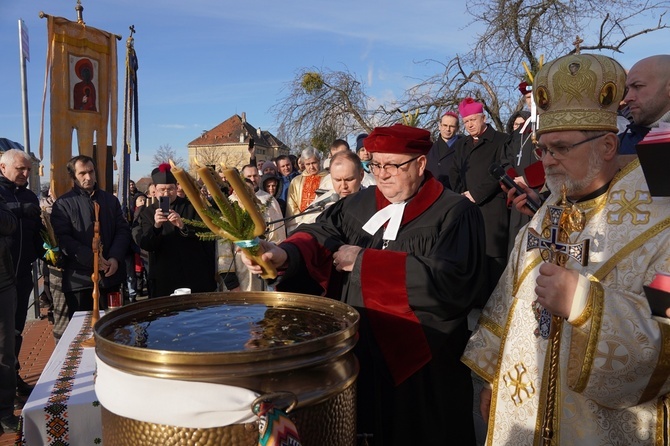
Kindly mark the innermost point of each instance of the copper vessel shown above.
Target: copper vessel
(320, 372)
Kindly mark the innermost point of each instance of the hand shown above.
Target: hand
(485, 403)
(519, 201)
(555, 288)
(159, 218)
(174, 218)
(273, 254)
(113, 266)
(345, 257)
(467, 195)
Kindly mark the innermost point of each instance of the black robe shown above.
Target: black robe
(470, 172)
(519, 157)
(177, 259)
(413, 297)
(440, 158)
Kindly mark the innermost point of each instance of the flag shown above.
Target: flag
(83, 98)
(130, 120)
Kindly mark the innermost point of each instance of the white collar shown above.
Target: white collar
(393, 214)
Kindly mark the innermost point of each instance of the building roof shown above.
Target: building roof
(229, 131)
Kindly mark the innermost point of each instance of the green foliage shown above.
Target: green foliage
(243, 230)
(312, 82)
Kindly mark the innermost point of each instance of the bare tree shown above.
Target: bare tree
(526, 31)
(164, 153)
(322, 102)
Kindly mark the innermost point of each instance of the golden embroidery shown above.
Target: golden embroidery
(516, 378)
(574, 79)
(489, 324)
(637, 216)
(597, 300)
(639, 241)
(662, 369)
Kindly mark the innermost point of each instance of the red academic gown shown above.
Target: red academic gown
(413, 297)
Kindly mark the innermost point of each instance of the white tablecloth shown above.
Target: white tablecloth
(63, 408)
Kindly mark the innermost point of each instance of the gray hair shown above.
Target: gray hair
(12, 155)
(310, 152)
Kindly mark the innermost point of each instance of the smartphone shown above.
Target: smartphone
(164, 203)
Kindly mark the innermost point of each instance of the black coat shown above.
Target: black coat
(8, 224)
(177, 259)
(518, 155)
(470, 172)
(26, 241)
(73, 221)
(440, 158)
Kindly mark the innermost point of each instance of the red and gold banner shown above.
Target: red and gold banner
(82, 63)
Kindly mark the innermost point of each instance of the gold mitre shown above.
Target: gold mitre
(579, 92)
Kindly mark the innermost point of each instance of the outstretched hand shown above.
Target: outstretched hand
(272, 254)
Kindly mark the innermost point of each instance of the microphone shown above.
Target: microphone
(321, 204)
(314, 207)
(497, 172)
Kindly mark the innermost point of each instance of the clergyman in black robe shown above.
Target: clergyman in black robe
(413, 275)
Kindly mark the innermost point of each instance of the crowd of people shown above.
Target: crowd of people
(415, 234)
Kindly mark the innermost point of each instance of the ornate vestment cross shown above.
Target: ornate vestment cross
(554, 242)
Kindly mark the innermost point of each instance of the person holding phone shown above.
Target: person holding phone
(177, 258)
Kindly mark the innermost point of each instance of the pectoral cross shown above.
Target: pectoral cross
(556, 248)
(554, 242)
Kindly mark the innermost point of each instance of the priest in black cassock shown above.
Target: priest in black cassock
(409, 255)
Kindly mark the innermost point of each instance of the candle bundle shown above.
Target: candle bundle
(240, 224)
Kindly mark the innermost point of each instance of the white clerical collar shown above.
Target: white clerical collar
(391, 213)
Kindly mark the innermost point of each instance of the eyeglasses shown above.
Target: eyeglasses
(559, 152)
(391, 169)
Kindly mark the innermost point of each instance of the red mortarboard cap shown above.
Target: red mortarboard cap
(398, 138)
(469, 106)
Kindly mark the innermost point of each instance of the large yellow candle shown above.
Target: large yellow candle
(251, 247)
(220, 199)
(235, 180)
(188, 186)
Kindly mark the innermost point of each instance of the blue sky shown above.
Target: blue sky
(202, 61)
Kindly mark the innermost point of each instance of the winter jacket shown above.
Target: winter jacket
(72, 219)
(26, 242)
(8, 224)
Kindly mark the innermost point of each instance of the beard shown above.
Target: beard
(556, 176)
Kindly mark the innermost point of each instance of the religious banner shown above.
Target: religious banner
(82, 63)
(130, 122)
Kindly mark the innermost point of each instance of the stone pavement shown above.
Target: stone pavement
(38, 344)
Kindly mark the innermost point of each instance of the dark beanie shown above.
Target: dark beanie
(359, 141)
(163, 175)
